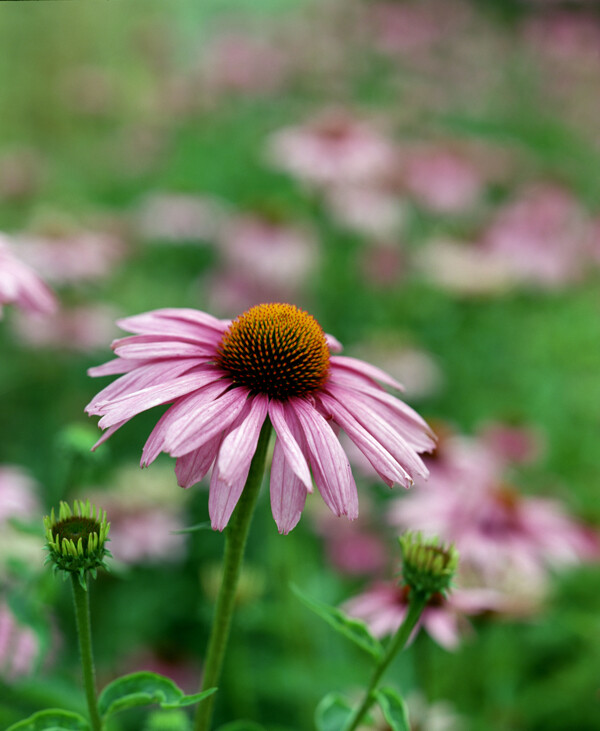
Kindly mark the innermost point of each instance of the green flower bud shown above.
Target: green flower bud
(76, 541)
(427, 565)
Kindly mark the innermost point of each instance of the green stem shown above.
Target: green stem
(82, 616)
(416, 606)
(236, 534)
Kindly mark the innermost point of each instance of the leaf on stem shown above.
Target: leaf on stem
(394, 709)
(52, 719)
(242, 726)
(355, 629)
(143, 688)
(333, 713)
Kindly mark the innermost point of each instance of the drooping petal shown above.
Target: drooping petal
(201, 416)
(134, 403)
(159, 347)
(283, 420)
(156, 442)
(329, 463)
(333, 344)
(108, 433)
(288, 493)
(116, 366)
(183, 323)
(388, 437)
(366, 370)
(238, 447)
(386, 466)
(192, 467)
(222, 499)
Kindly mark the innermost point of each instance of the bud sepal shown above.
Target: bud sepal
(428, 566)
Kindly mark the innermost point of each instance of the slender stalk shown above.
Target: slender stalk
(82, 616)
(236, 535)
(416, 606)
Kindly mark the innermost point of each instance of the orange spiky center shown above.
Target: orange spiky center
(275, 349)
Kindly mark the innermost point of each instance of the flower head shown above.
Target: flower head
(225, 378)
(76, 541)
(427, 566)
(20, 285)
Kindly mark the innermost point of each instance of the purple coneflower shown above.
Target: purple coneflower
(225, 378)
(19, 284)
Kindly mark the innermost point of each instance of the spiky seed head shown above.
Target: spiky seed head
(428, 566)
(76, 539)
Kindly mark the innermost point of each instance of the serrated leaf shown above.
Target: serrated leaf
(52, 719)
(333, 713)
(142, 689)
(394, 709)
(355, 629)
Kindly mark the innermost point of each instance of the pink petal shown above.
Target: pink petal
(333, 344)
(108, 433)
(442, 626)
(386, 466)
(162, 393)
(330, 465)
(239, 446)
(115, 366)
(223, 498)
(201, 416)
(192, 467)
(288, 493)
(283, 420)
(366, 370)
(373, 421)
(159, 347)
(153, 322)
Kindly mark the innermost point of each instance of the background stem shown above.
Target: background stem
(236, 535)
(82, 616)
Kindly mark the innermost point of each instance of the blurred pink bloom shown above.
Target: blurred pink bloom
(223, 379)
(144, 534)
(442, 180)
(178, 217)
(269, 254)
(541, 238)
(383, 608)
(19, 646)
(513, 443)
(502, 536)
(235, 62)
(334, 148)
(368, 210)
(382, 264)
(18, 498)
(80, 329)
(19, 285)
(73, 256)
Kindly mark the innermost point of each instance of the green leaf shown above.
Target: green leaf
(242, 726)
(143, 688)
(333, 713)
(52, 719)
(394, 709)
(355, 629)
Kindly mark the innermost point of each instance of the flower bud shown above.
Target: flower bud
(76, 541)
(427, 565)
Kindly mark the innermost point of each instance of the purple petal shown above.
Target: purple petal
(386, 466)
(223, 498)
(115, 366)
(333, 344)
(283, 420)
(108, 433)
(288, 493)
(239, 446)
(162, 393)
(201, 416)
(192, 467)
(366, 370)
(148, 322)
(149, 347)
(329, 464)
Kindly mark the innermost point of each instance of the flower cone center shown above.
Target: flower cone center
(277, 350)
(75, 528)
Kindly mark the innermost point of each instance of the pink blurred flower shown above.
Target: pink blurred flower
(441, 179)
(384, 606)
(235, 62)
(80, 329)
(19, 285)
(504, 538)
(18, 498)
(513, 443)
(268, 253)
(541, 238)
(369, 210)
(19, 646)
(73, 256)
(223, 379)
(145, 534)
(333, 148)
(178, 217)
